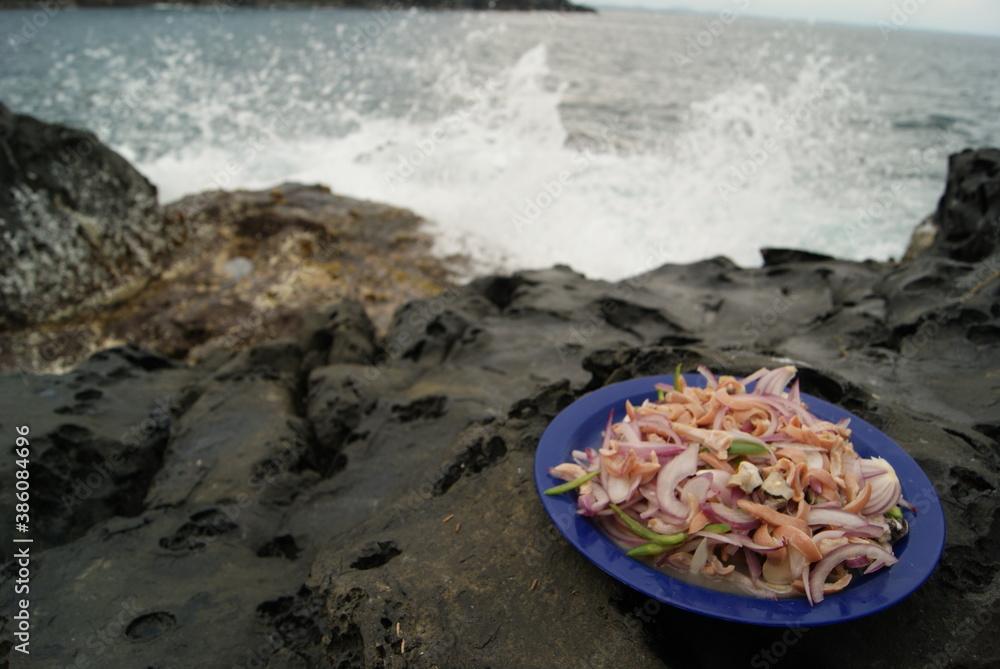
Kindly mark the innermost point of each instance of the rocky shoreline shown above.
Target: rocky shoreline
(87, 265)
(340, 495)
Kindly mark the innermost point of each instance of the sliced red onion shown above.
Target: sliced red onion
(720, 416)
(774, 382)
(786, 407)
(595, 459)
(739, 402)
(673, 521)
(648, 491)
(709, 376)
(700, 557)
(852, 467)
(594, 501)
(607, 430)
(642, 507)
(726, 495)
(772, 423)
(630, 432)
(796, 561)
(719, 479)
(678, 469)
(747, 380)
(873, 467)
(735, 495)
(782, 405)
(697, 488)
(621, 489)
(885, 493)
(782, 379)
(738, 519)
(567, 471)
(753, 565)
(737, 540)
(805, 584)
(794, 395)
(872, 531)
(835, 518)
(659, 425)
(857, 562)
(650, 512)
(814, 460)
(827, 534)
(763, 383)
(874, 566)
(605, 445)
(643, 449)
(808, 419)
(823, 568)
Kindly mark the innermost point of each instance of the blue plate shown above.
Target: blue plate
(580, 425)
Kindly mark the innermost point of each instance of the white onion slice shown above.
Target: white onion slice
(678, 469)
(823, 568)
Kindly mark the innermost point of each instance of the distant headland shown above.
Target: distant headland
(497, 5)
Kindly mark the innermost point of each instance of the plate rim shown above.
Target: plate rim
(725, 608)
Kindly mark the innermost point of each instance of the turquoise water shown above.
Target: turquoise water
(613, 143)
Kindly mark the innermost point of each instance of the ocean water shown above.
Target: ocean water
(613, 143)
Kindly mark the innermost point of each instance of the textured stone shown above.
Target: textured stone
(79, 226)
(293, 247)
(349, 499)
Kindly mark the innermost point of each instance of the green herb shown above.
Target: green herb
(746, 448)
(571, 485)
(660, 395)
(895, 513)
(678, 379)
(641, 530)
(718, 528)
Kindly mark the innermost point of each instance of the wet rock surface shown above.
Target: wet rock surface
(90, 260)
(253, 267)
(350, 499)
(79, 226)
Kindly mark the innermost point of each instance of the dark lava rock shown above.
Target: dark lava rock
(968, 211)
(370, 503)
(777, 256)
(79, 226)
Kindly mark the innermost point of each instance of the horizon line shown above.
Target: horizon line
(795, 19)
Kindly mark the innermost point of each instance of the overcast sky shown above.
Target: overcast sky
(977, 16)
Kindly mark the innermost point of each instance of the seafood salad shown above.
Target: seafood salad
(739, 483)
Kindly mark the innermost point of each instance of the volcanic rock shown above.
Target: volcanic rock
(351, 499)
